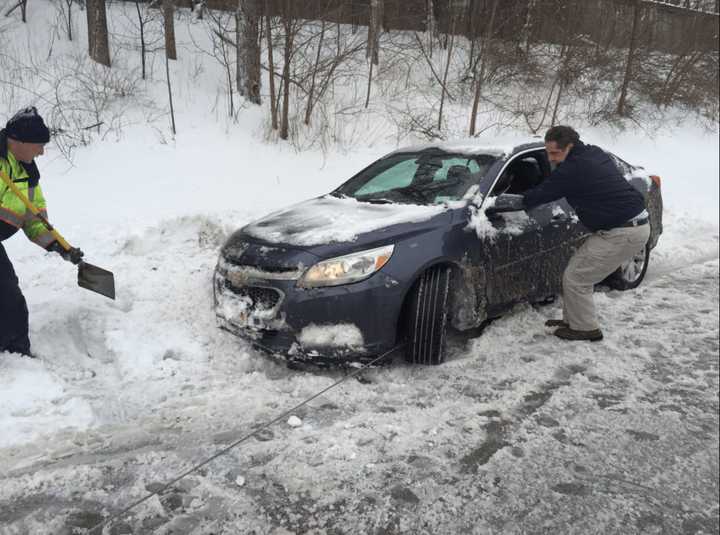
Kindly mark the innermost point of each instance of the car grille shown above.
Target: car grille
(262, 298)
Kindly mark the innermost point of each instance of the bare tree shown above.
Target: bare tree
(168, 7)
(374, 30)
(443, 84)
(622, 101)
(289, 28)
(170, 97)
(66, 8)
(479, 71)
(311, 91)
(142, 21)
(271, 68)
(97, 32)
(247, 22)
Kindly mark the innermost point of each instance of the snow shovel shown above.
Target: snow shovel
(90, 277)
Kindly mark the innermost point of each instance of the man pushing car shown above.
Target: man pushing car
(608, 205)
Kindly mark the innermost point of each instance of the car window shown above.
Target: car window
(522, 173)
(398, 175)
(425, 177)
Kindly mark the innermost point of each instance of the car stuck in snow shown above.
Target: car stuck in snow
(411, 246)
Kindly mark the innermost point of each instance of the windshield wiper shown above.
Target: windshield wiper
(377, 201)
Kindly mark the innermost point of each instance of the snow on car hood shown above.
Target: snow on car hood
(330, 219)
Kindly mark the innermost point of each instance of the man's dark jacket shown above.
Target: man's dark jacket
(593, 186)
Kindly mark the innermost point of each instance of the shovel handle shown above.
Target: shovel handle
(30, 206)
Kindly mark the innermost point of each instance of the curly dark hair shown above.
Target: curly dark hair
(562, 135)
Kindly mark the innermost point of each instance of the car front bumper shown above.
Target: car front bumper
(352, 322)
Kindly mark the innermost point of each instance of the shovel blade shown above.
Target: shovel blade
(96, 280)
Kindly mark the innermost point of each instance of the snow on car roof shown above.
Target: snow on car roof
(494, 147)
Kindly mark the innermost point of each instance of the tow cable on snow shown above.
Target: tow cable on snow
(225, 450)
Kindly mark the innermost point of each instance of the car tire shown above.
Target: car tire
(427, 317)
(631, 273)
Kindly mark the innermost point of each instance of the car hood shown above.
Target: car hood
(330, 226)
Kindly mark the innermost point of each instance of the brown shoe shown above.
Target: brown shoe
(556, 323)
(566, 333)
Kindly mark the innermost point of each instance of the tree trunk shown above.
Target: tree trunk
(479, 76)
(248, 50)
(271, 69)
(374, 30)
(169, 18)
(311, 92)
(369, 85)
(445, 75)
(622, 102)
(69, 19)
(143, 48)
(430, 24)
(98, 46)
(556, 108)
(170, 99)
(289, 35)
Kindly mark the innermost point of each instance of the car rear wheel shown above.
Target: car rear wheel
(427, 317)
(632, 272)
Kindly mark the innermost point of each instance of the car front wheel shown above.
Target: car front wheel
(632, 272)
(427, 317)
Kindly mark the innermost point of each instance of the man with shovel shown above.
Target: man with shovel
(21, 141)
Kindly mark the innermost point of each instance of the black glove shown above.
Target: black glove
(73, 255)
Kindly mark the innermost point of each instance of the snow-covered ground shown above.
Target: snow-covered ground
(518, 432)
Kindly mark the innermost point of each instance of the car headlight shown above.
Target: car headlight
(346, 269)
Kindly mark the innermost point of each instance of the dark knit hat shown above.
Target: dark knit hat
(27, 126)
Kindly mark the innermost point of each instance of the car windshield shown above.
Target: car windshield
(426, 177)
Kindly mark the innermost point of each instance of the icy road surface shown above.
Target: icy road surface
(518, 433)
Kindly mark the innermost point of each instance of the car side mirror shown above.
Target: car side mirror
(506, 202)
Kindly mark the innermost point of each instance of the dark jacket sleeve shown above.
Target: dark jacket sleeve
(559, 184)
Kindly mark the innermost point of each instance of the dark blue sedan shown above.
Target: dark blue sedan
(411, 246)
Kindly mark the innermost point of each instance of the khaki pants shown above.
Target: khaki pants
(600, 255)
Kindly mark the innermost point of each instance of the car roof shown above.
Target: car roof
(474, 146)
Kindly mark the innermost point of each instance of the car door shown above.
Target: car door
(511, 251)
(562, 234)
(533, 246)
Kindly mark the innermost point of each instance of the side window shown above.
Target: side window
(521, 174)
(397, 176)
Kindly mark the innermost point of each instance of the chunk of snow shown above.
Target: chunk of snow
(294, 421)
(338, 335)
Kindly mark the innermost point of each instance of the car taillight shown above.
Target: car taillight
(655, 179)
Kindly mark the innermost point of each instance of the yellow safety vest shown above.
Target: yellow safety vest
(12, 209)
